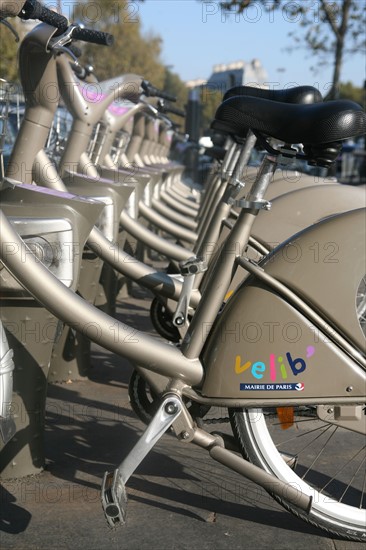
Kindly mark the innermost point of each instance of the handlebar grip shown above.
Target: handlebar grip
(164, 95)
(175, 111)
(95, 37)
(151, 91)
(33, 9)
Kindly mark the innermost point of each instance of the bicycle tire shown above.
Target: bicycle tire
(255, 431)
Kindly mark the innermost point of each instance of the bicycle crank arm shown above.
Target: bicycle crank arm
(113, 494)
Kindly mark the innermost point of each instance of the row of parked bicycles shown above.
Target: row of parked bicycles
(261, 310)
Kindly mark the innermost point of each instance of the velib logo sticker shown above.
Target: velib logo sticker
(276, 374)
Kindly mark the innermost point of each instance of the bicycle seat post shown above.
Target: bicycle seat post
(244, 157)
(220, 277)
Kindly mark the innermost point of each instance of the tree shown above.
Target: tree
(348, 91)
(9, 49)
(331, 28)
(131, 52)
(175, 86)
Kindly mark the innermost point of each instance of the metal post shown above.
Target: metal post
(193, 130)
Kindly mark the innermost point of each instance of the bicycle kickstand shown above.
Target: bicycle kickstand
(113, 493)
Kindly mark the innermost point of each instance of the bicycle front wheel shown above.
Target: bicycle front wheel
(323, 460)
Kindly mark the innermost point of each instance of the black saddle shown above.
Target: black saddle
(297, 94)
(313, 124)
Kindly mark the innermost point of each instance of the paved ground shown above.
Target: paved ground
(178, 498)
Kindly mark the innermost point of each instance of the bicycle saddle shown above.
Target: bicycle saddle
(313, 124)
(298, 94)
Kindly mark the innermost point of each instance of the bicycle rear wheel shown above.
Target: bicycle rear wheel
(323, 460)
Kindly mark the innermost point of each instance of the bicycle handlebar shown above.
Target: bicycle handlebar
(151, 91)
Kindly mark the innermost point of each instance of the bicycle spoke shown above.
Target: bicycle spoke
(342, 469)
(321, 450)
(322, 429)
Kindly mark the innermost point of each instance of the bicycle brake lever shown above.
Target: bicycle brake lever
(150, 107)
(58, 42)
(65, 49)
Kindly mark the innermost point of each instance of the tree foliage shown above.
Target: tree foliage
(175, 86)
(331, 29)
(9, 49)
(132, 51)
(348, 91)
(210, 100)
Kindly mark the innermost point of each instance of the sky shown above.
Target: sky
(197, 35)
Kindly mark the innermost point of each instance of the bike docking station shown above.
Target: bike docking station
(55, 227)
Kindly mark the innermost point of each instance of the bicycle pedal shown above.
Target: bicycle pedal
(114, 499)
